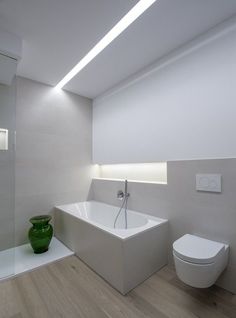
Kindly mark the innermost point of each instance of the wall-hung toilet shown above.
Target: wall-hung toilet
(198, 261)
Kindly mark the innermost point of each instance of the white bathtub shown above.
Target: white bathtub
(123, 257)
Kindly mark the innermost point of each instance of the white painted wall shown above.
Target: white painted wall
(10, 45)
(182, 109)
(10, 54)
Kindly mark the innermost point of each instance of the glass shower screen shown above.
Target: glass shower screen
(7, 179)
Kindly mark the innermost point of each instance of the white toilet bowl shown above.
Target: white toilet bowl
(198, 261)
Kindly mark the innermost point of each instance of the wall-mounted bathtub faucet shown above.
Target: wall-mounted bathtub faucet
(120, 195)
(123, 196)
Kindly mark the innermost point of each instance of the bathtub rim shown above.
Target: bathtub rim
(153, 222)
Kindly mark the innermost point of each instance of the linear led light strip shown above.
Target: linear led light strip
(129, 18)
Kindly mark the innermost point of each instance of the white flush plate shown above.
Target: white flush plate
(208, 182)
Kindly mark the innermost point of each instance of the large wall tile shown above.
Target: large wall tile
(53, 151)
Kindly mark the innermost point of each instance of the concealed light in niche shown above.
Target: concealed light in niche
(137, 172)
(129, 18)
(3, 139)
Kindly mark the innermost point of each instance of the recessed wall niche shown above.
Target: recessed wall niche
(3, 139)
(155, 172)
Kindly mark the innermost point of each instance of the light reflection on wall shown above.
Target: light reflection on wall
(139, 172)
(3, 139)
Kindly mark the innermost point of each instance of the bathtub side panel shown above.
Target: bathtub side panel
(98, 249)
(144, 254)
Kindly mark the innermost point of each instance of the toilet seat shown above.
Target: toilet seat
(198, 261)
(197, 250)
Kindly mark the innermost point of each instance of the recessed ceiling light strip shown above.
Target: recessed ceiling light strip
(129, 18)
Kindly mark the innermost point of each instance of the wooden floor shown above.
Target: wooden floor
(70, 289)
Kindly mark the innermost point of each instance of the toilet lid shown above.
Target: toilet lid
(197, 250)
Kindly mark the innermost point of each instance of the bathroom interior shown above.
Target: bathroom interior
(117, 158)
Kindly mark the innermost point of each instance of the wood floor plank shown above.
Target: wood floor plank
(70, 289)
(214, 297)
(148, 309)
(111, 301)
(170, 308)
(184, 300)
(9, 302)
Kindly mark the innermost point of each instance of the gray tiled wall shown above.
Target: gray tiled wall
(53, 151)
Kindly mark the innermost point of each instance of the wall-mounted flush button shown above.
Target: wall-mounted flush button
(3, 139)
(208, 182)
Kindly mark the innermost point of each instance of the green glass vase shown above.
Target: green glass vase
(40, 234)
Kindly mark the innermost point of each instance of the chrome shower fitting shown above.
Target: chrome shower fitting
(124, 197)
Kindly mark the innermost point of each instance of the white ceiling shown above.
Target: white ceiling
(58, 33)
